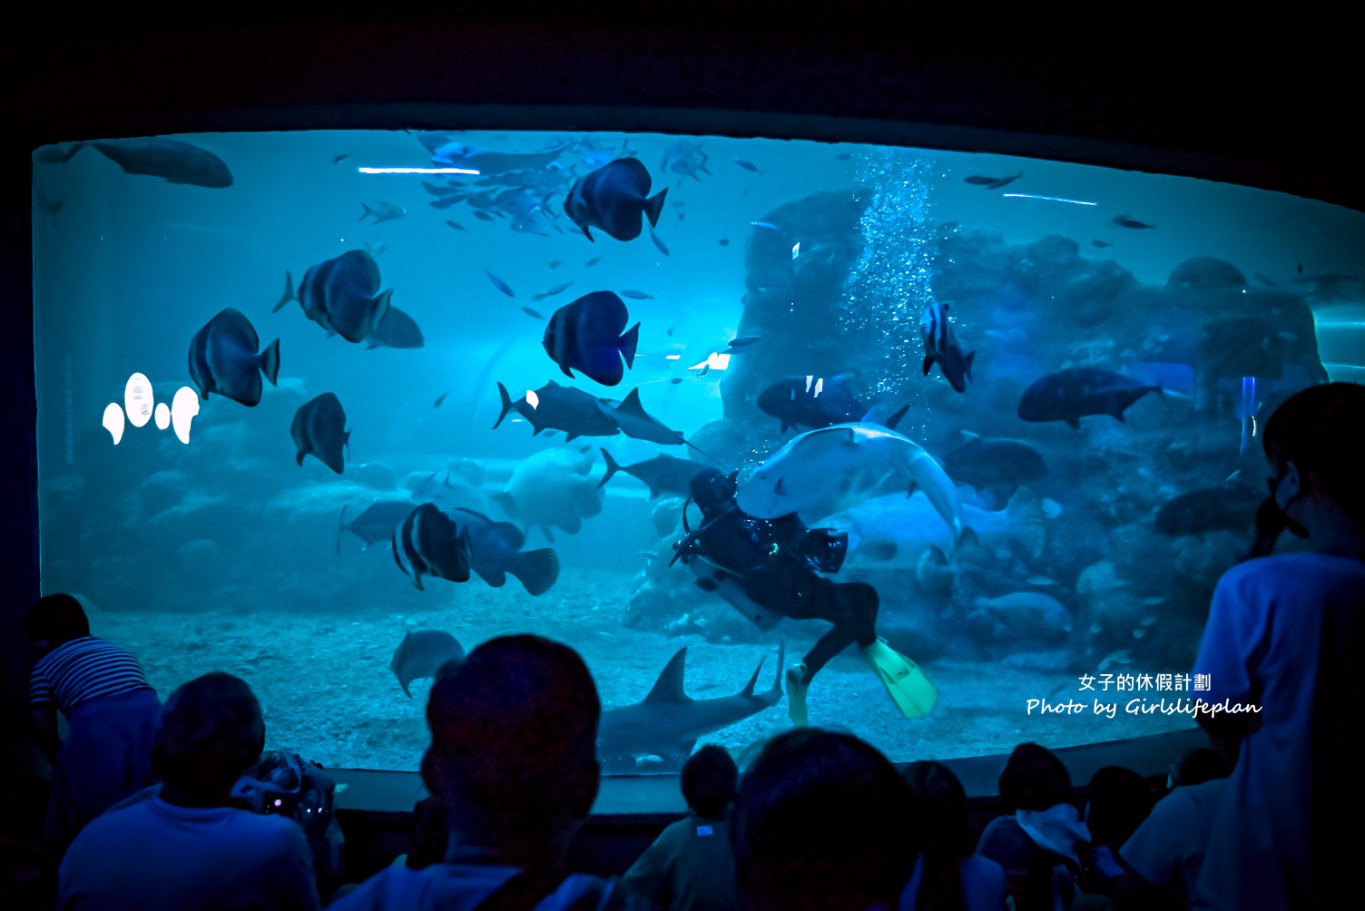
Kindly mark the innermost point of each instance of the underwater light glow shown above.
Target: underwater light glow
(1074, 202)
(418, 171)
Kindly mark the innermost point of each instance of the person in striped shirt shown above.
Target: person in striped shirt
(111, 714)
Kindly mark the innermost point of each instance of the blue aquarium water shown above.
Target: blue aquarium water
(458, 384)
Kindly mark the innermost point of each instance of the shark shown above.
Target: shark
(822, 471)
(668, 722)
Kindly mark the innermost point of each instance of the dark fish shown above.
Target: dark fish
(1100, 243)
(224, 359)
(457, 155)
(637, 295)
(747, 165)
(592, 262)
(175, 161)
(481, 215)
(456, 225)
(429, 544)
(340, 158)
(1123, 221)
(661, 474)
(440, 399)
(744, 341)
(676, 380)
(941, 347)
(685, 158)
(808, 402)
(1070, 395)
(319, 429)
(589, 335)
(992, 183)
(531, 311)
(49, 206)
(499, 283)
(557, 289)
(1226, 507)
(663, 248)
(376, 522)
(634, 422)
(993, 462)
(396, 330)
(495, 551)
(613, 198)
(341, 295)
(560, 408)
(555, 263)
(667, 723)
(422, 654)
(724, 242)
(382, 211)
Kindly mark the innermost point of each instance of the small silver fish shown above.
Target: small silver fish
(456, 225)
(658, 243)
(382, 211)
(747, 165)
(637, 295)
(499, 283)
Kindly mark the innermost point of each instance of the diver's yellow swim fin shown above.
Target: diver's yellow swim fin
(911, 690)
(796, 694)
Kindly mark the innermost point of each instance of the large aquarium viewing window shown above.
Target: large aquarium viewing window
(326, 409)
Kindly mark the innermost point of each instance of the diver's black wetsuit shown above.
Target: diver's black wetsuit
(775, 562)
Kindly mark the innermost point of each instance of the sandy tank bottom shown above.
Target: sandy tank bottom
(327, 690)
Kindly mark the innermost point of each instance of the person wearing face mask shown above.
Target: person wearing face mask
(1284, 638)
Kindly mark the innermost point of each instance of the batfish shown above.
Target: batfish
(341, 295)
(319, 429)
(223, 358)
(590, 336)
(422, 654)
(614, 198)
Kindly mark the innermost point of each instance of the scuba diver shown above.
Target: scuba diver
(771, 568)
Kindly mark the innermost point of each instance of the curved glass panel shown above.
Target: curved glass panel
(1086, 356)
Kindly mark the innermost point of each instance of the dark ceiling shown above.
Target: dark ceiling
(1265, 99)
